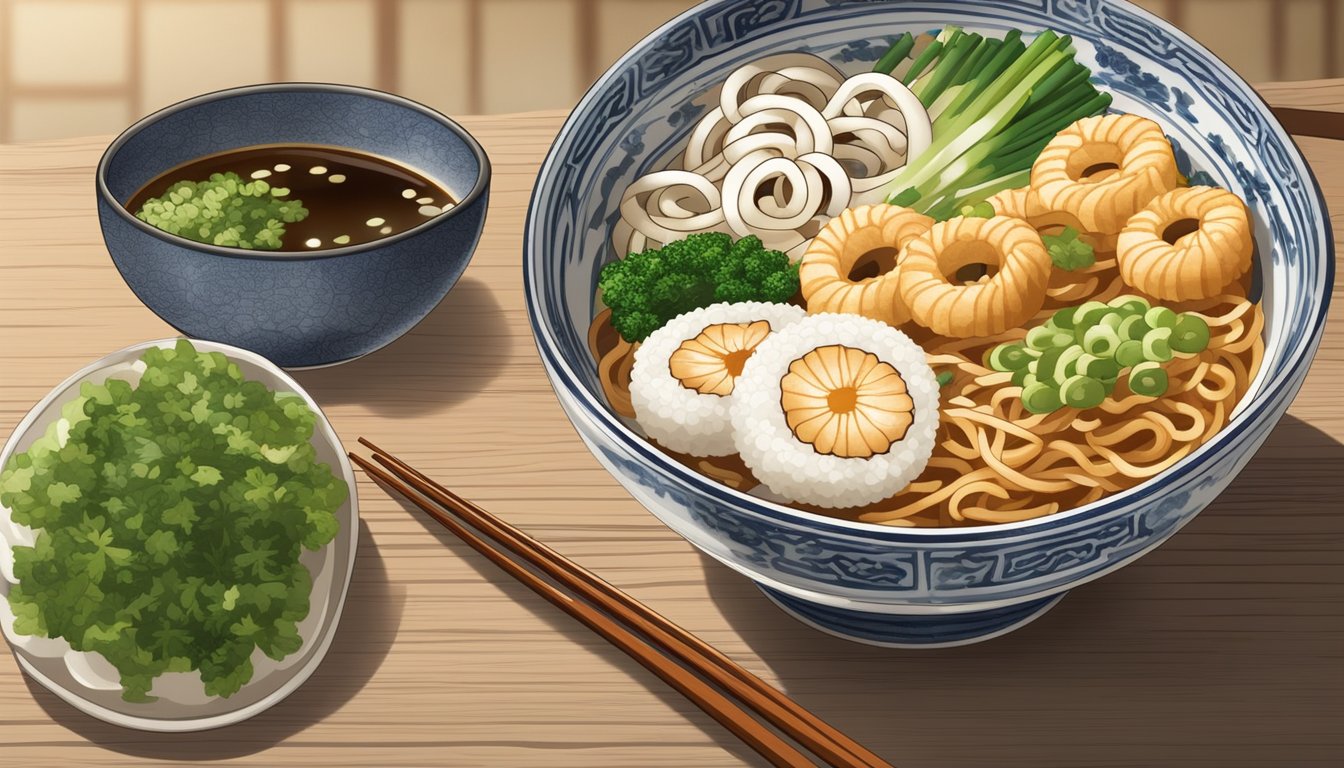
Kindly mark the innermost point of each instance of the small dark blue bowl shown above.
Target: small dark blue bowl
(298, 309)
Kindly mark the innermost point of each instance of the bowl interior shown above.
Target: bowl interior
(332, 115)
(637, 117)
(88, 681)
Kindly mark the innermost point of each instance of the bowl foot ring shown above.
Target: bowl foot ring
(912, 630)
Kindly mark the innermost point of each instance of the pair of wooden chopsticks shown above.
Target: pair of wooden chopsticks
(639, 631)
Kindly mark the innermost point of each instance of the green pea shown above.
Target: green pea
(1133, 327)
(1082, 392)
(1129, 353)
(1040, 398)
(1130, 305)
(1009, 357)
(1098, 367)
(1157, 345)
(1148, 379)
(1160, 317)
(1101, 341)
(1190, 334)
(1063, 319)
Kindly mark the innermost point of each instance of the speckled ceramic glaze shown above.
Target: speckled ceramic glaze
(296, 309)
(913, 587)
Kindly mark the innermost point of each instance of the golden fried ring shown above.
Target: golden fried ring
(847, 238)
(1023, 203)
(1191, 265)
(1006, 299)
(1104, 169)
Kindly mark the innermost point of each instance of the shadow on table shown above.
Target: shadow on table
(1243, 602)
(368, 625)
(458, 349)
(569, 630)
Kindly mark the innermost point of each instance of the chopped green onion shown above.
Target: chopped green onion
(1082, 392)
(1157, 345)
(1190, 335)
(1040, 398)
(1132, 305)
(1048, 368)
(1063, 319)
(1133, 327)
(1043, 337)
(1129, 353)
(1113, 320)
(1148, 379)
(1160, 317)
(945, 378)
(1101, 340)
(1098, 367)
(1089, 313)
(1009, 357)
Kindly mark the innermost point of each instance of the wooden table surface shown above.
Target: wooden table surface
(1223, 648)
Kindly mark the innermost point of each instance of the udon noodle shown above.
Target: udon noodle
(995, 462)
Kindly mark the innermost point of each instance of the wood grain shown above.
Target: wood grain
(1221, 649)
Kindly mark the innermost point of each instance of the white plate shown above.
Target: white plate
(87, 681)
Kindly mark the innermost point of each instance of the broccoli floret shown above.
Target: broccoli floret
(1068, 251)
(646, 289)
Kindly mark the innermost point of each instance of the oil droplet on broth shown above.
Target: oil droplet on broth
(376, 221)
(263, 173)
(318, 170)
(313, 242)
(408, 193)
(336, 178)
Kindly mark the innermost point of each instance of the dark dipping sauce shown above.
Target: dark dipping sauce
(352, 197)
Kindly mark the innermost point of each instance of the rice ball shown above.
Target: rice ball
(684, 374)
(836, 411)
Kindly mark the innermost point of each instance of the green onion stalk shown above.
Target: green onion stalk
(994, 104)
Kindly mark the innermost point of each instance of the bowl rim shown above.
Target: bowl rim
(1251, 410)
(323, 430)
(477, 190)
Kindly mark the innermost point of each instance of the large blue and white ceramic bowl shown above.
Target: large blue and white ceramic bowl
(918, 587)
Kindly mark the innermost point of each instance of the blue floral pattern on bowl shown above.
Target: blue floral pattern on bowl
(895, 586)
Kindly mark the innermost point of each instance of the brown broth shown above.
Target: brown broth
(352, 189)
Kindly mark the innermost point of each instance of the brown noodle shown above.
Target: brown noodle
(994, 462)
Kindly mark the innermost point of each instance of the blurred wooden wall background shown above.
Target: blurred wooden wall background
(77, 67)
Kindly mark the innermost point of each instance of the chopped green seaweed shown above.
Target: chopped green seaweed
(171, 517)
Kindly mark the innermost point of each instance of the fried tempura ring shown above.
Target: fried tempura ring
(1193, 265)
(1104, 169)
(1023, 203)
(824, 274)
(1001, 301)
